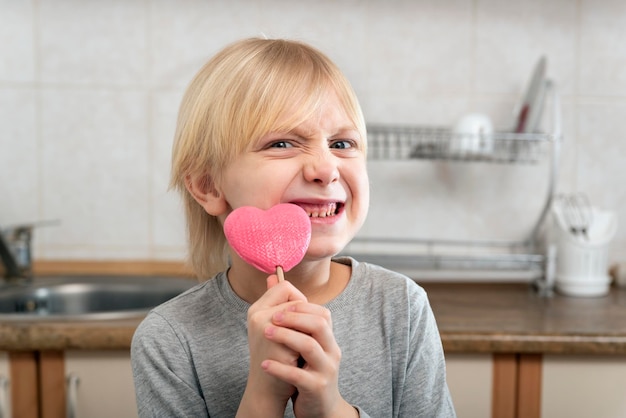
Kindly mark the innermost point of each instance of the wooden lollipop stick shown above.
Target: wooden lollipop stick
(280, 273)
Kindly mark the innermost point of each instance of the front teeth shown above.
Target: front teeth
(322, 212)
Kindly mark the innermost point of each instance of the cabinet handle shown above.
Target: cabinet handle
(5, 411)
(72, 382)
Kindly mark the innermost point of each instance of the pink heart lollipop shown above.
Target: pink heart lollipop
(272, 241)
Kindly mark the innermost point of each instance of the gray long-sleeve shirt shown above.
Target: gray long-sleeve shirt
(190, 355)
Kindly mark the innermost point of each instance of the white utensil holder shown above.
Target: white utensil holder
(582, 259)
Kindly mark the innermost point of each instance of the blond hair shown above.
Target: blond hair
(248, 89)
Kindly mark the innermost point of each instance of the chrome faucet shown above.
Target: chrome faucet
(15, 253)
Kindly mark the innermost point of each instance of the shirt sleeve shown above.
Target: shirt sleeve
(163, 373)
(425, 393)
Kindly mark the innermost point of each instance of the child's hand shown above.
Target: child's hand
(264, 390)
(306, 328)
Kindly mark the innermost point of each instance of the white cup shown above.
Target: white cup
(473, 135)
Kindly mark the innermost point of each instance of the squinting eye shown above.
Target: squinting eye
(281, 144)
(342, 144)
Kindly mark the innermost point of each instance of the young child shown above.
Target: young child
(267, 122)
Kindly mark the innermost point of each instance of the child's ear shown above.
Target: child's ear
(204, 191)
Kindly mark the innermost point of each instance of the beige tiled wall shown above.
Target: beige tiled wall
(89, 93)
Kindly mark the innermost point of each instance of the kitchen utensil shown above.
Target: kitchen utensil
(274, 240)
(577, 213)
(531, 108)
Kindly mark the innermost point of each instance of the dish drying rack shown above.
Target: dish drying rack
(395, 142)
(527, 257)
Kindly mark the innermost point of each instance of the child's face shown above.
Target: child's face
(320, 166)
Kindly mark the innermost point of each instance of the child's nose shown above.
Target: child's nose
(322, 168)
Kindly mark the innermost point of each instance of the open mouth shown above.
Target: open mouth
(321, 210)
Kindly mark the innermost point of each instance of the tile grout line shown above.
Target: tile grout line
(38, 118)
(575, 135)
(149, 113)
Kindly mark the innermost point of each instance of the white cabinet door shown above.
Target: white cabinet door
(105, 383)
(5, 386)
(470, 381)
(583, 386)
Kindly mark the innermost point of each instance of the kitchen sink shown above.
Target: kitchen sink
(103, 297)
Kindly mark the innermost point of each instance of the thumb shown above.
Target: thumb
(272, 281)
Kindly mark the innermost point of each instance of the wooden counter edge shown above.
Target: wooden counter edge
(540, 344)
(92, 335)
(115, 335)
(116, 267)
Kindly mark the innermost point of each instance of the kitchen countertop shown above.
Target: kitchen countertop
(472, 318)
(513, 318)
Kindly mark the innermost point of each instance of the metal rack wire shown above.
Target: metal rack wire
(394, 142)
(529, 255)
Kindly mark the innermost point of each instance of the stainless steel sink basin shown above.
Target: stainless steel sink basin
(56, 298)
